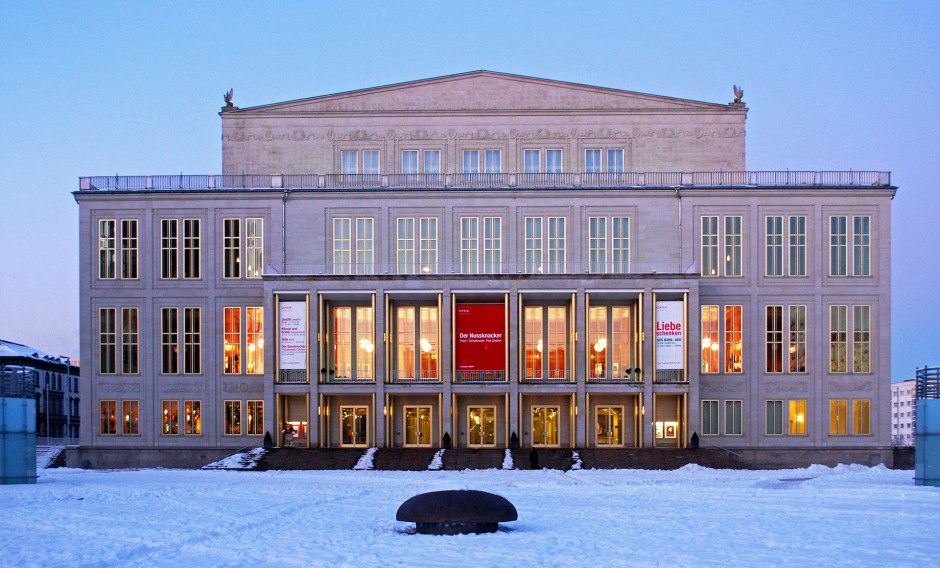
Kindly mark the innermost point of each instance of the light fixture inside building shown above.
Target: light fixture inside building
(601, 344)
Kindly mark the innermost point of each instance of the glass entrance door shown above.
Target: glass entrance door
(609, 425)
(481, 422)
(417, 426)
(354, 423)
(545, 425)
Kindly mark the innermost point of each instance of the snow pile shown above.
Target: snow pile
(438, 461)
(576, 459)
(365, 462)
(240, 460)
(507, 460)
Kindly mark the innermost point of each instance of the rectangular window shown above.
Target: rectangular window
(774, 339)
(364, 244)
(532, 161)
(342, 342)
(171, 417)
(129, 341)
(592, 160)
(861, 339)
(838, 339)
(370, 161)
(406, 245)
(797, 417)
(733, 340)
(861, 417)
(254, 247)
(469, 241)
(733, 422)
(432, 161)
(493, 161)
(710, 341)
(106, 248)
(169, 248)
(169, 341)
(797, 339)
(733, 246)
(129, 248)
(233, 417)
(254, 340)
(797, 245)
(232, 341)
(534, 342)
(405, 343)
(255, 417)
(471, 161)
(231, 248)
(553, 162)
(107, 340)
(193, 409)
(556, 245)
(342, 246)
(774, 418)
(557, 342)
(109, 417)
(350, 162)
(597, 244)
(774, 249)
(615, 161)
(837, 417)
(365, 342)
(533, 245)
(428, 245)
(710, 418)
(131, 417)
(191, 247)
(192, 341)
(492, 245)
(838, 246)
(710, 246)
(620, 245)
(861, 249)
(409, 161)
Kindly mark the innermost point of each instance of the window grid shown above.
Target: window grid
(193, 417)
(838, 339)
(191, 244)
(838, 248)
(797, 418)
(710, 418)
(710, 341)
(469, 239)
(533, 245)
(797, 339)
(733, 247)
(774, 246)
(108, 417)
(774, 416)
(232, 342)
(837, 417)
(797, 250)
(364, 245)
(492, 245)
(556, 245)
(129, 248)
(733, 417)
(406, 245)
(169, 341)
(597, 245)
(254, 246)
(861, 417)
(255, 417)
(107, 340)
(861, 339)
(774, 339)
(861, 249)
(710, 246)
(428, 245)
(130, 417)
(129, 341)
(169, 247)
(106, 248)
(733, 340)
(231, 248)
(342, 245)
(192, 341)
(233, 417)
(171, 417)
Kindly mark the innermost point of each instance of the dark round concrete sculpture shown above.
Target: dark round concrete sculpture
(456, 512)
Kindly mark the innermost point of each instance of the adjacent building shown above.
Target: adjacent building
(56, 389)
(903, 412)
(485, 254)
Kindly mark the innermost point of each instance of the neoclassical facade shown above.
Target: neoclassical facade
(482, 255)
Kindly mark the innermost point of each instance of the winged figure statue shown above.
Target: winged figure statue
(738, 93)
(231, 92)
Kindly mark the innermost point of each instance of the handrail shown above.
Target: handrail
(703, 440)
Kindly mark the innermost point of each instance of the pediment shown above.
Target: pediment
(478, 91)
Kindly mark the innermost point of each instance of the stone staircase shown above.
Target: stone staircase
(304, 458)
(657, 458)
(403, 459)
(474, 458)
(549, 458)
(50, 456)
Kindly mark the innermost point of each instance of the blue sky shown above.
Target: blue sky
(134, 88)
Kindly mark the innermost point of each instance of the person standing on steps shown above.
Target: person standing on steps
(289, 436)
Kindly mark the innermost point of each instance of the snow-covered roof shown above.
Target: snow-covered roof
(10, 349)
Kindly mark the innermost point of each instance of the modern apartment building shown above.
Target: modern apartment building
(479, 255)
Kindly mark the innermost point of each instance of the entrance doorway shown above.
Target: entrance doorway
(481, 422)
(417, 426)
(609, 425)
(354, 426)
(545, 426)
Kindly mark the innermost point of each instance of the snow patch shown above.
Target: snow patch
(576, 460)
(438, 461)
(45, 455)
(365, 462)
(240, 460)
(507, 459)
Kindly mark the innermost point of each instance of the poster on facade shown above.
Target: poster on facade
(293, 335)
(670, 335)
(480, 337)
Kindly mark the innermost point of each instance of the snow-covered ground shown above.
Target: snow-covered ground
(819, 516)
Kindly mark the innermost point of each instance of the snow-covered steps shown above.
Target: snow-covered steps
(48, 456)
(403, 459)
(240, 460)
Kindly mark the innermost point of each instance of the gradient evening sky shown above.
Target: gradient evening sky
(135, 88)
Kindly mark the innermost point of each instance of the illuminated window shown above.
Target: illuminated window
(797, 339)
(171, 418)
(733, 340)
(733, 422)
(611, 347)
(233, 417)
(710, 341)
(797, 417)
(106, 248)
(546, 342)
(108, 417)
(131, 417)
(417, 342)
(255, 417)
(733, 250)
(107, 341)
(232, 341)
(193, 409)
(129, 341)
(861, 417)
(254, 340)
(837, 417)
(838, 339)
(353, 344)
(710, 418)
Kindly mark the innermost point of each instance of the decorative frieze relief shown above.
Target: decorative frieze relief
(242, 388)
(850, 386)
(787, 386)
(118, 387)
(719, 387)
(181, 387)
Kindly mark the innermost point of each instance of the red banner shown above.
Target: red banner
(481, 337)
